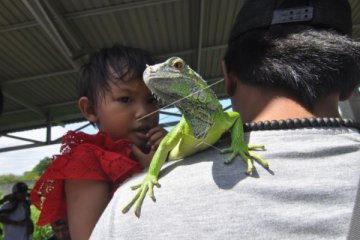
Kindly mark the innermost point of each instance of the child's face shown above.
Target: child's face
(119, 111)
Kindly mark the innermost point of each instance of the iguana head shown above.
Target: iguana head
(173, 81)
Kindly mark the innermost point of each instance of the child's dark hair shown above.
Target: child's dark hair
(119, 59)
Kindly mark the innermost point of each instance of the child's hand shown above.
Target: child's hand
(155, 136)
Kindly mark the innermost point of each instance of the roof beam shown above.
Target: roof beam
(117, 8)
(170, 113)
(89, 13)
(97, 11)
(43, 17)
(26, 146)
(209, 81)
(192, 51)
(28, 106)
(18, 26)
(45, 107)
(45, 75)
(21, 138)
(36, 143)
(70, 71)
(62, 22)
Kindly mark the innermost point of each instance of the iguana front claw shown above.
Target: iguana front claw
(245, 152)
(146, 185)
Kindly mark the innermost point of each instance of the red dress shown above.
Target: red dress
(83, 157)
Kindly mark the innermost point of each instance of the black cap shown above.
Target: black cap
(328, 14)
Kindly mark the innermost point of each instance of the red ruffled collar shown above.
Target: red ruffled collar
(83, 157)
(73, 139)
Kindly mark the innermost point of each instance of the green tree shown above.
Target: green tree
(28, 176)
(8, 178)
(40, 233)
(41, 166)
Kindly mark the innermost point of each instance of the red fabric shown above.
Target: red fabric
(83, 157)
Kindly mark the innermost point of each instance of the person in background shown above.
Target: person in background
(79, 183)
(287, 65)
(15, 213)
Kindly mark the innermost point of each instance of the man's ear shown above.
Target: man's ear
(87, 109)
(229, 80)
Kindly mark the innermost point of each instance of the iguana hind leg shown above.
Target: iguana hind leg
(246, 154)
(240, 147)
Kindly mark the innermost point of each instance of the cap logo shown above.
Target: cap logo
(290, 15)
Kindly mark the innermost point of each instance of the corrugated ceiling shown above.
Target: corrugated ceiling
(43, 43)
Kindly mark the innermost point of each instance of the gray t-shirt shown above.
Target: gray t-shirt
(308, 193)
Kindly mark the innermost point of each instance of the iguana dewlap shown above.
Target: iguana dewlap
(202, 123)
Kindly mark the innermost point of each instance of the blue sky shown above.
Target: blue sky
(20, 161)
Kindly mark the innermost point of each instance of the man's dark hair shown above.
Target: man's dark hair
(310, 62)
(20, 187)
(118, 59)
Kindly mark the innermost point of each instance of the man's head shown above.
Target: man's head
(20, 190)
(302, 46)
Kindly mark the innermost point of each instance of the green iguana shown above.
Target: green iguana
(202, 123)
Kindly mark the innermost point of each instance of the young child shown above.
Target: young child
(78, 184)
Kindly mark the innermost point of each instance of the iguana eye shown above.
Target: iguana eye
(178, 63)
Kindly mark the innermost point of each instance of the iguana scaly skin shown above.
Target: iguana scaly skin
(202, 123)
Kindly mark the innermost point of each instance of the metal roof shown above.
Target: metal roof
(43, 43)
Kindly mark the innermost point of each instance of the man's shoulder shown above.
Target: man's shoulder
(306, 169)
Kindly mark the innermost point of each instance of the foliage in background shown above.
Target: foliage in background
(8, 178)
(27, 176)
(41, 166)
(40, 233)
